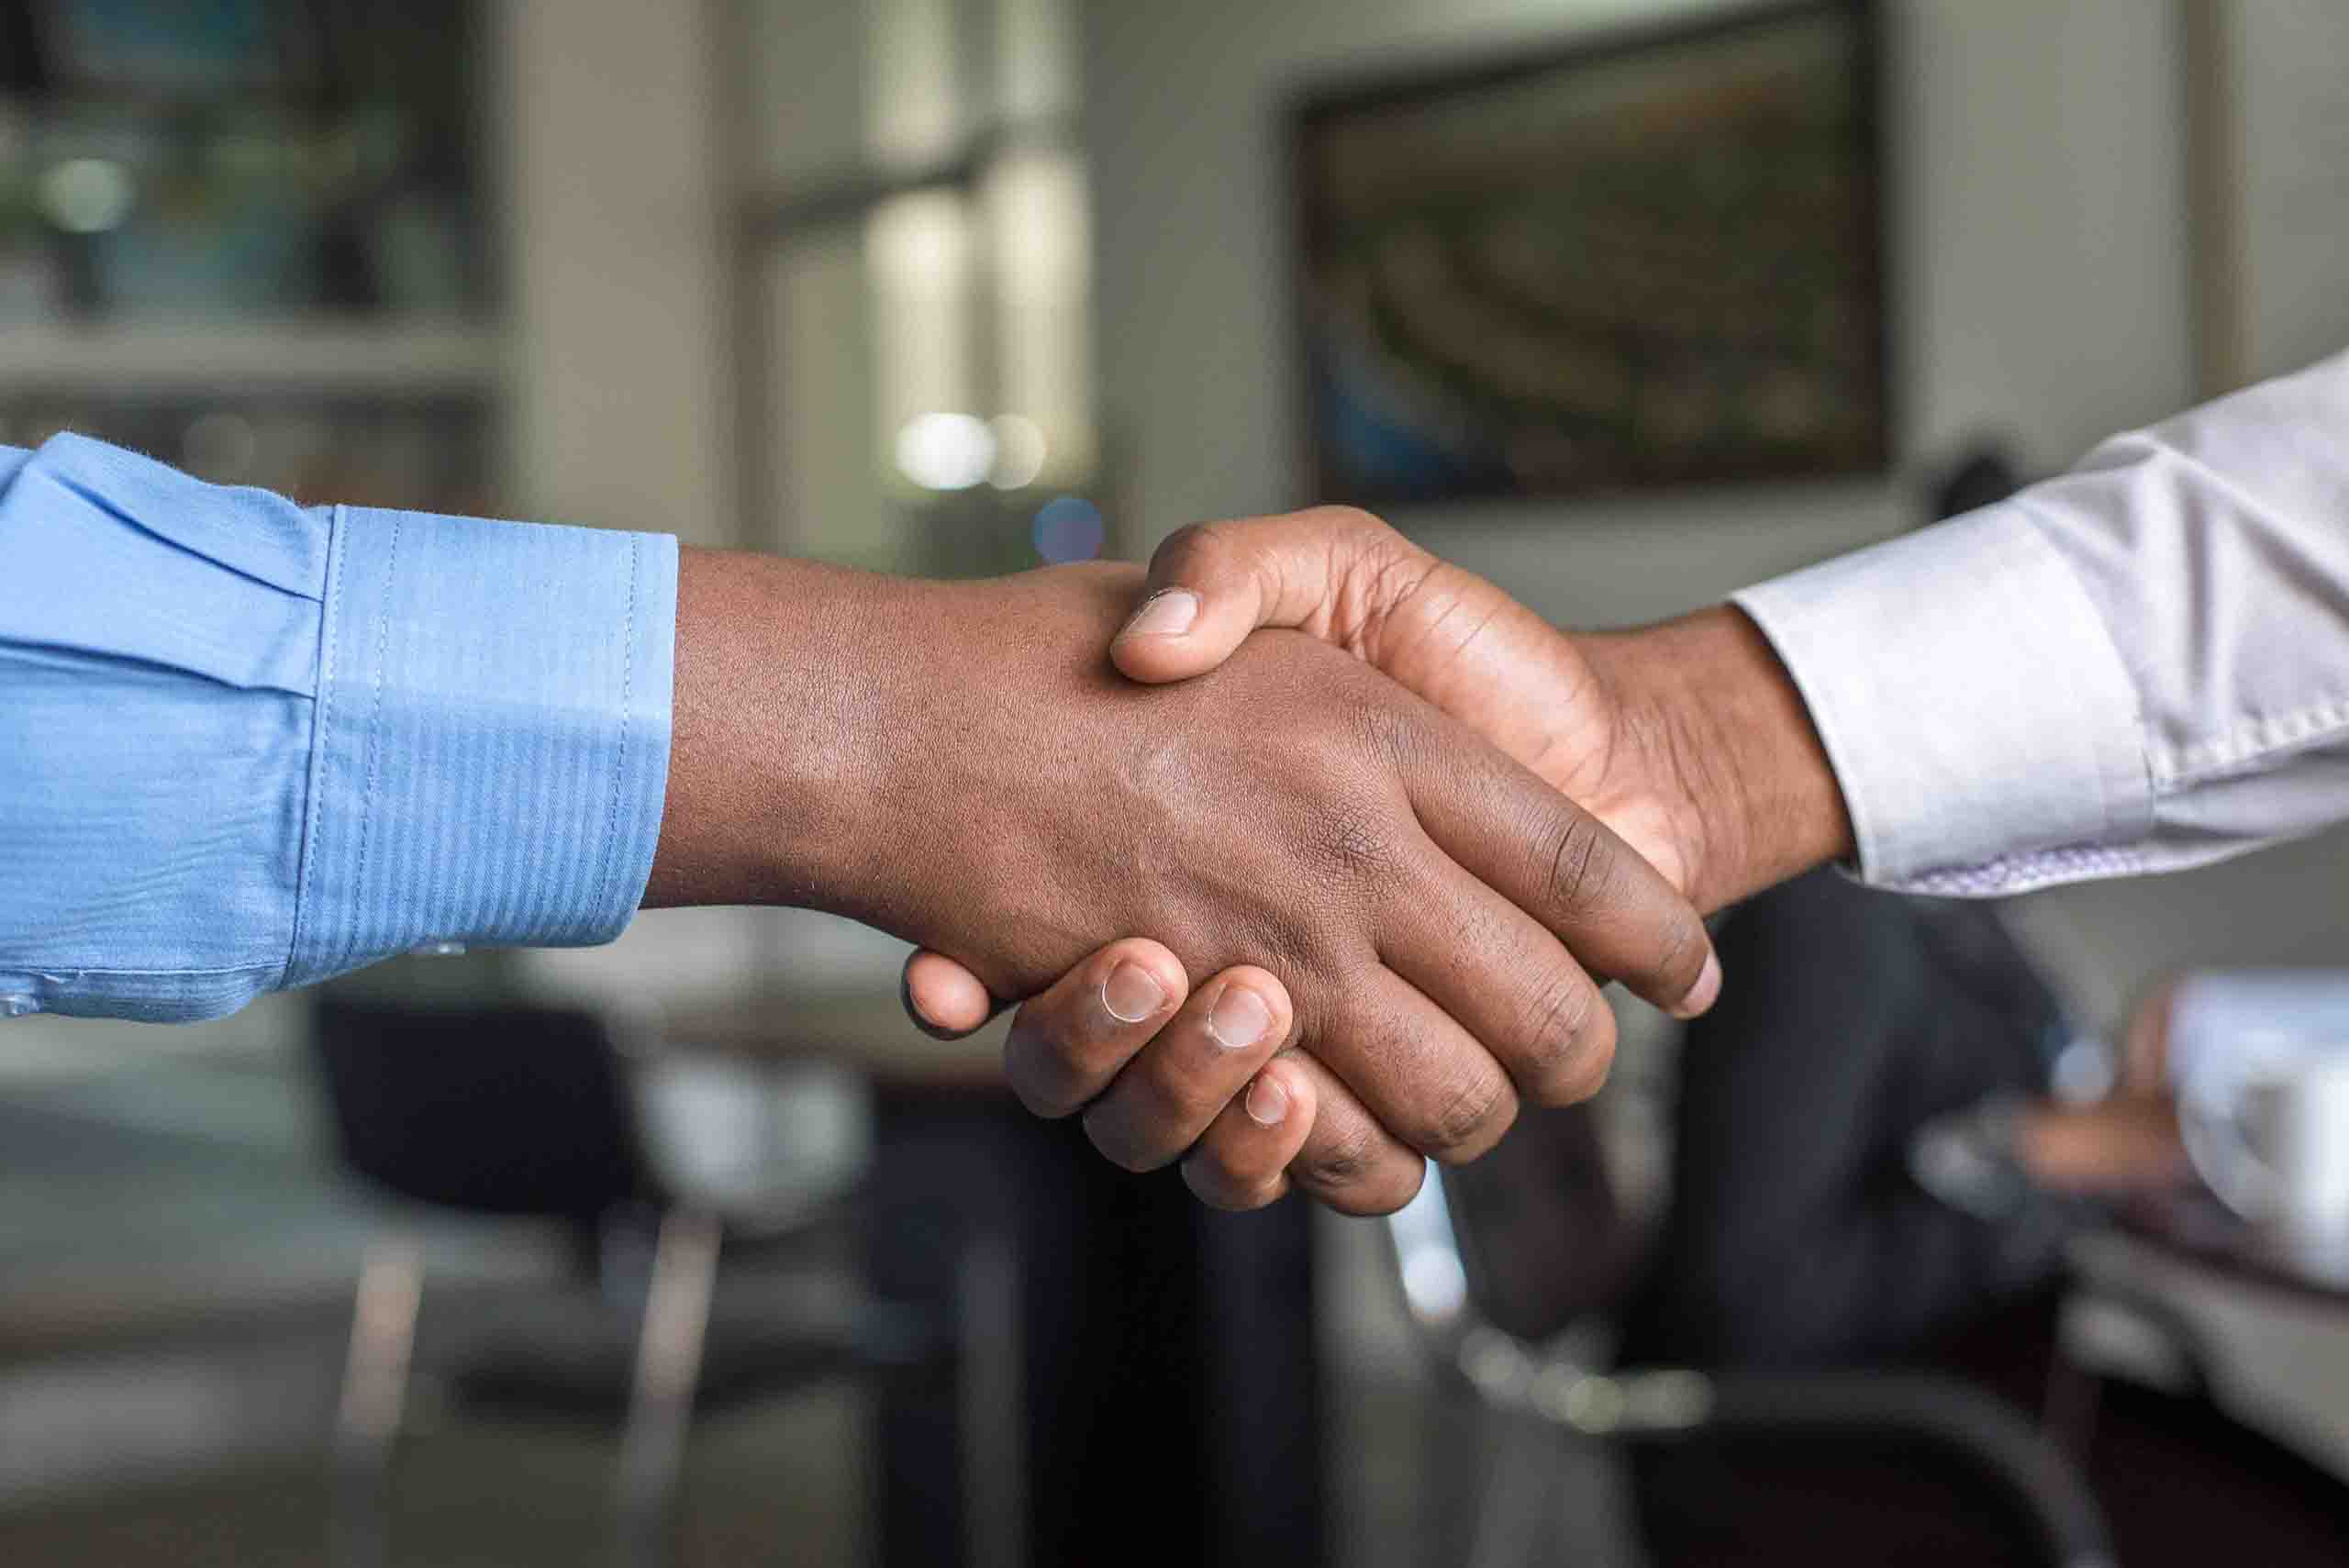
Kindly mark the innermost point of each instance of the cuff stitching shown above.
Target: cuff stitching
(2255, 743)
(67, 974)
(374, 728)
(329, 640)
(619, 748)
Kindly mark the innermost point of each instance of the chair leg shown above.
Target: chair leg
(668, 1366)
(992, 1403)
(375, 1391)
(1517, 1495)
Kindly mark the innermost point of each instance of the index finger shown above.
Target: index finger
(1616, 914)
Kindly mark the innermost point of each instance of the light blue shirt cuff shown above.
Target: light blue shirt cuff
(492, 741)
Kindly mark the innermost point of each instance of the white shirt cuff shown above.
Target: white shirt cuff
(1977, 715)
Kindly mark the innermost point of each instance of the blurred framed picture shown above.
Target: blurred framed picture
(1652, 261)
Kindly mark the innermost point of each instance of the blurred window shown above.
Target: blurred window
(251, 237)
(915, 261)
(233, 158)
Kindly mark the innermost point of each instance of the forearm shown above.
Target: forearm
(1722, 733)
(768, 779)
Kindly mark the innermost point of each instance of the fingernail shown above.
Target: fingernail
(1131, 994)
(1239, 1018)
(1167, 613)
(1700, 996)
(1267, 1102)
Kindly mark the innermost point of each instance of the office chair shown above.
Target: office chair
(2186, 1480)
(2013, 1495)
(528, 1111)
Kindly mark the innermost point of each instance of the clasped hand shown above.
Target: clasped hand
(1402, 827)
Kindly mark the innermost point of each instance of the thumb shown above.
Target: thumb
(1212, 583)
(942, 997)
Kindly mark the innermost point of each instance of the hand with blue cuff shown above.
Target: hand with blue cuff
(957, 763)
(246, 745)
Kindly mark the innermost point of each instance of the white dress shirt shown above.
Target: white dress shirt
(2139, 666)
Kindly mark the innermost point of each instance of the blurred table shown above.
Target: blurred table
(865, 1030)
(1153, 1361)
(2266, 1342)
(2195, 1227)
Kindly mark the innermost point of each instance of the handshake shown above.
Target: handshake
(1404, 826)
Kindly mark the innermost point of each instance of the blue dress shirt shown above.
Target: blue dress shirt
(247, 745)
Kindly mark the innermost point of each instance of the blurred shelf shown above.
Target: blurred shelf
(337, 356)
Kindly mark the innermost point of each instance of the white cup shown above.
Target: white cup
(2279, 1146)
(2270, 1134)
(2261, 1067)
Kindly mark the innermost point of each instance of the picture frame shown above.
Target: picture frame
(1649, 260)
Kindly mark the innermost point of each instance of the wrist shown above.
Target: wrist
(1721, 737)
(772, 751)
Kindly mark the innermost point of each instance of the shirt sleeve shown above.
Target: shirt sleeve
(2142, 665)
(247, 745)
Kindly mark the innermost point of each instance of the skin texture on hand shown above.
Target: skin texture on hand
(958, 764)
(1688, 739)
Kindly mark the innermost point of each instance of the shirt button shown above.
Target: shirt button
(17, 1005)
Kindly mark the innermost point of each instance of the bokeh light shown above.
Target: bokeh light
(86, 195)
(945, 451)
(1068, 528)
(1020, 451)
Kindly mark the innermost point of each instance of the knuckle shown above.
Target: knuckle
(1391, 570)
(1124, 1144)
(1219, 1187)
(1351, 519)
(1398, 727)
(1191, 547)
(1358, 841)
(1680, 953)
(1046, 1082)
(1469, 1119)
(1379, 1192)
(1341, 1159)
(1129, 1158)
(1381, 732)
(1303, 942)
(1179, 1096)
(1582, 1072)
(1043, 1102)
(1581, 872)
(1359, 540)
(1556, 1029)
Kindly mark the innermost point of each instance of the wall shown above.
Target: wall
(610, 153)
(2039, 291)
(2292, 189)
